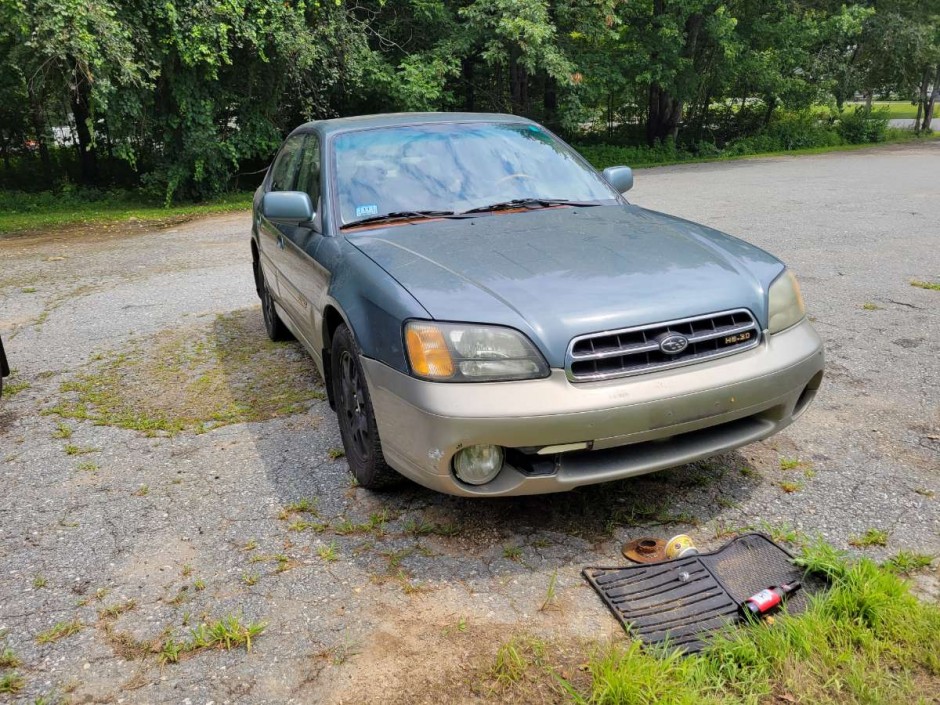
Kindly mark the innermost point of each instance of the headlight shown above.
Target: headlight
(785, 305)
(466, 352)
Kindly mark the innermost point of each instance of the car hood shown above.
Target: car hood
(561, 272)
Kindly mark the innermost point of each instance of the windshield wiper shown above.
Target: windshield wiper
(401, 215)
(529, 203)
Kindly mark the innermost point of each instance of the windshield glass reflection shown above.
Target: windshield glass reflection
(456, 167)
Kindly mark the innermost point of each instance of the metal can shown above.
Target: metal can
(680, 546)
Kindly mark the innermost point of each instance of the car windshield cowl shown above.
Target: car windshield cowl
(530, 203)
(401, 215)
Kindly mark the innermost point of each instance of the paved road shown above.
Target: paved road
(420, 598)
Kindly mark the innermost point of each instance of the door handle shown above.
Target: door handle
(280, 241)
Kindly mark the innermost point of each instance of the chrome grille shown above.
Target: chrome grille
(632, 351)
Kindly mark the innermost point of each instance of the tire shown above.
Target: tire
(356, 416)
(273, 324)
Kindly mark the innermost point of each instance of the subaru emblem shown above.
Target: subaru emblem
(673, 343)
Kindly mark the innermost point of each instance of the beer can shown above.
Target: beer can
(680, 546)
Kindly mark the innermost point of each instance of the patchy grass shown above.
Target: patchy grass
(301, 506)
(328, 552)
(375, 525)
(89, 466)
(872, 537)
(420, 527)
(932, 286)
(12, 388)
(43, 211)
(12, 683)
(226, 633)
(790, 463)
(302, 525)
(551, 592)
(59, 630)
(72, 449)
(521, 658)
(513, 553)
(871, 307)
(194, 379)
(791, 487)
(250, 578)
(141, 491)
(117, 610)
(336, 453)
(9, 659)
(905, 562)
(40, 581)
(62, 431)
(781, 533)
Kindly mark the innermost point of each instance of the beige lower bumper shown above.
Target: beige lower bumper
(634, 425)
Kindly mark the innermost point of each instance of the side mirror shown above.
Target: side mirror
(287, 206)
(620, 177)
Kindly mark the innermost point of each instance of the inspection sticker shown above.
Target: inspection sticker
(371, 209)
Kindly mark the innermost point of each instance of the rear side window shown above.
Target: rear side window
(308, 178)
(284, 172)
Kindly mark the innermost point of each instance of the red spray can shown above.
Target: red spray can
(769, 598)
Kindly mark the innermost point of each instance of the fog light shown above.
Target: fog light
(477, 465)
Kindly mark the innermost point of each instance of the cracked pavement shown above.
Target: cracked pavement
(425, 587)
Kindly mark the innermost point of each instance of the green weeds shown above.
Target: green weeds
(226, 633)
(12, 683)
(904, 562)
(59, 630)
(871, 537)
(328, 552)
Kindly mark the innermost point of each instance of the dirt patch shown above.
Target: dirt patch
(194, 379)
(442, 649)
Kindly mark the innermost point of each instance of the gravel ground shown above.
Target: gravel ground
(144, 537)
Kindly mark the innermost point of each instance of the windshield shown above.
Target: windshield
(456, 168)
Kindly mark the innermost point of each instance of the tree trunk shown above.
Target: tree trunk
(467, 70)
(518, 84)
(87, 159)
(921, 100)
(703, 116)
(771, 106)
(38, 117)
(550, 102)
(664, 113)
(934, 96)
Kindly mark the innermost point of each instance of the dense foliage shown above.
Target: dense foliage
(188, 98)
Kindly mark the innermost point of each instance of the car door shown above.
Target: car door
(270, 237)
(305, 280)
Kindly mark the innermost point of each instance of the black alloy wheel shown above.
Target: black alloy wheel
(356, 416)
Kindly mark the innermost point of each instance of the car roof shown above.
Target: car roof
(365, 122)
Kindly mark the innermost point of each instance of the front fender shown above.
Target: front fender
(371, 302)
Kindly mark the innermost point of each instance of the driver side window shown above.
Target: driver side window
(284, 171)
(308, 178)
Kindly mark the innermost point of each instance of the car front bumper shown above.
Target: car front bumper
(633, 425)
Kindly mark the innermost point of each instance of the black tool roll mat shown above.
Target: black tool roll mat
(681, 601)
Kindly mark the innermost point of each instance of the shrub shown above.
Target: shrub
(863, 125)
